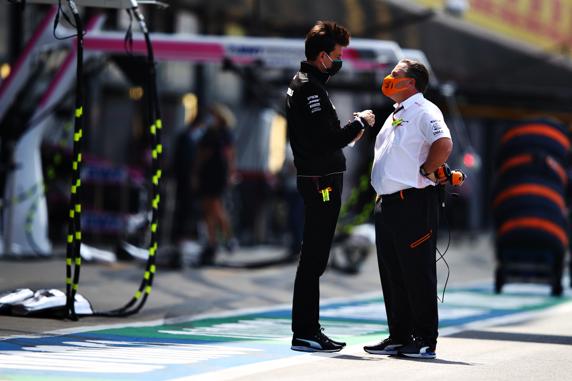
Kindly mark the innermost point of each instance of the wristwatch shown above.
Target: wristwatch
(431, 176)
(361, 121)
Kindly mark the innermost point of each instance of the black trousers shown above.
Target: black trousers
(406, 239)
(321, 216)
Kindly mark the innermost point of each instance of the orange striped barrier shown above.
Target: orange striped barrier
(524, 159)
(537, 129)
(535, 223)
(530, 189)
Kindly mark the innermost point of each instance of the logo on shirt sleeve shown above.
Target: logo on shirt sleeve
(314, 103)
(437, 126)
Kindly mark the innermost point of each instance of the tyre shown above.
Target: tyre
(537, 135)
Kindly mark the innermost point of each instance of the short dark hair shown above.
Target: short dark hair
(417, 71)
(323, 37)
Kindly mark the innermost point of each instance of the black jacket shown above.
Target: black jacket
(314, 129)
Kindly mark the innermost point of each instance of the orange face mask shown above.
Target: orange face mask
(390, 84)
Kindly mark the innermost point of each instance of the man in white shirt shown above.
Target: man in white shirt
(412, 144)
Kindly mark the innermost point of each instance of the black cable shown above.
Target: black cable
(73, 257)
(442, 255)
(128, 40)
(137, 302)
(69, 21)
(155, 123)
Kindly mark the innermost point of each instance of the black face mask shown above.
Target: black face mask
(336, 66)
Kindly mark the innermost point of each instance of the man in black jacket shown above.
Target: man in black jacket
(317, 139)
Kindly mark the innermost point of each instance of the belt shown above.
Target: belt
(397, 196)
(400, 195)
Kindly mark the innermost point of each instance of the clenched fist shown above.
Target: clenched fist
(367, 116)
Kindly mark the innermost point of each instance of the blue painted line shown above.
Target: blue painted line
(203, 345)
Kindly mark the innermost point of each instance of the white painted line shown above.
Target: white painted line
(261, 367)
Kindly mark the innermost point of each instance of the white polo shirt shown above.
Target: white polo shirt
(403, 143)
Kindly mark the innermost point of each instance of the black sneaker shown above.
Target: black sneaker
(388, 346)
(341, 343)
(316, 343)
(418, 349)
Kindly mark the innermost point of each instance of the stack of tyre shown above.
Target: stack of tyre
(529, 205)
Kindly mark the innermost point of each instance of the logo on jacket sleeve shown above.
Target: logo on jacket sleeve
(314, 103)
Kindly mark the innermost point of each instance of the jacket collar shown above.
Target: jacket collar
(306, 67)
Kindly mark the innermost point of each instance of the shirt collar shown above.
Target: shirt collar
(417, 97)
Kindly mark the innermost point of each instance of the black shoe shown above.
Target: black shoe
(315, 343)
(388, 346)
(340, 343)
(419, 349)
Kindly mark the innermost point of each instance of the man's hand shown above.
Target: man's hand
(443, 174)
(431, 176)
(367, 116)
